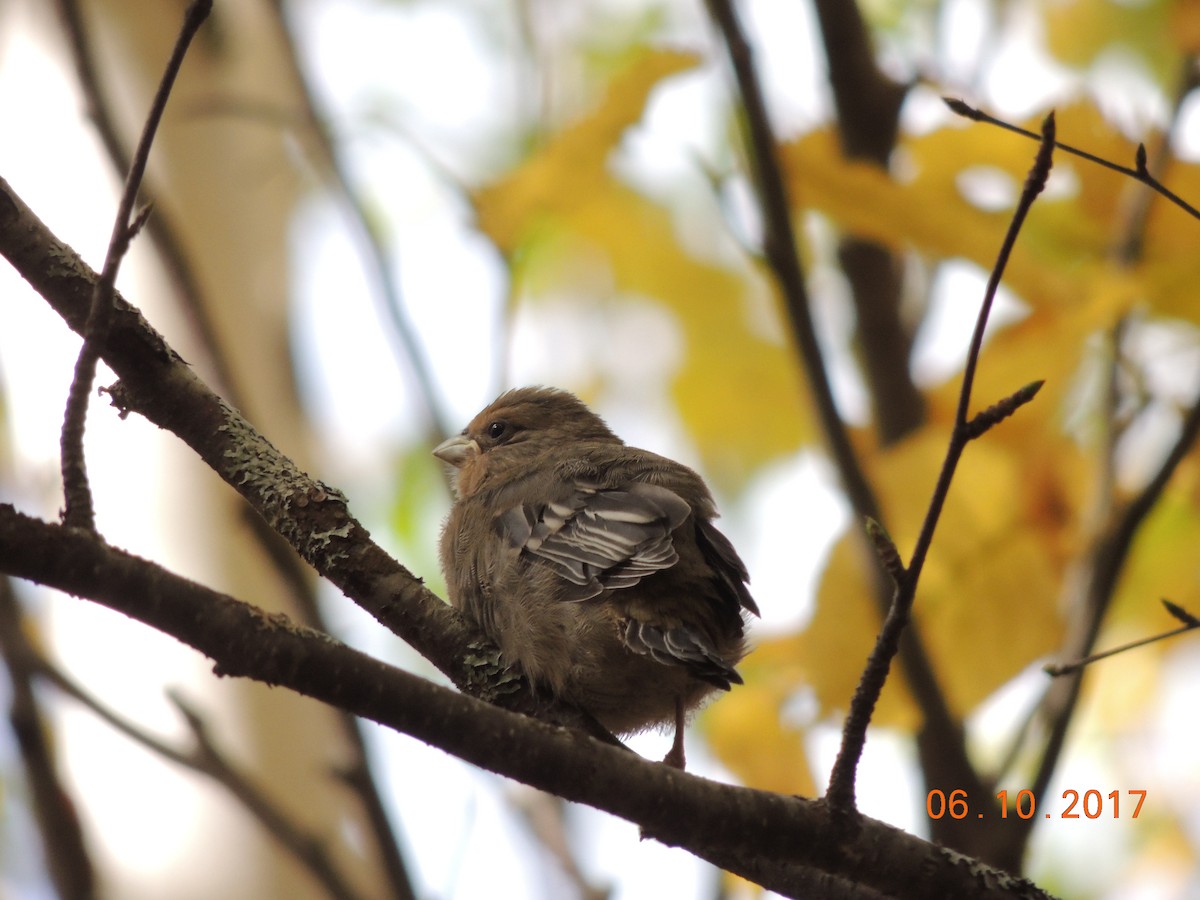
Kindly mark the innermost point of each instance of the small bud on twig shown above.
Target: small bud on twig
(998, 412)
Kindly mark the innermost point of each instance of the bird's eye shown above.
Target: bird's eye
(497, 430)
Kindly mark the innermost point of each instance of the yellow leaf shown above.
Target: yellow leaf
(575, 233)
(1061, 263)
(986, 605)
(834, 647)
(572, 167)
(1079, 31)
(929, 212)
(747, 732)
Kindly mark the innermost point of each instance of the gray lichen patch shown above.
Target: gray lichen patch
(310, 515)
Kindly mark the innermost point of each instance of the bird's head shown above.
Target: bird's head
(522, 422)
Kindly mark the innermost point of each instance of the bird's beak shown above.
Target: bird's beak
(457, 450)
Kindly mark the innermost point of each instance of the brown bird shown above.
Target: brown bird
(593, 566)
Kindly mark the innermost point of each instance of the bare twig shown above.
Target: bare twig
(63, 841)
(940, 730)
(1139, 172)
(205, 758)
(1107, 559)
(986, 419)
(1190, 623)
(841, 782)
(158, 228)
(79, 511)
(1137, 211)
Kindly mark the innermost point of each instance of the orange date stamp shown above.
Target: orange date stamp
(1090, 804)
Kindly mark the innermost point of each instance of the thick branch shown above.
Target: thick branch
(314, 520)
(768, 838)
(868, 116)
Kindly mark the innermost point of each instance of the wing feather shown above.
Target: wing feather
(600, 539)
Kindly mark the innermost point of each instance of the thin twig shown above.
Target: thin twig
(64, 843)
(1136, 214)
(1190, 623)
(1139, 172)
(159, 228)
(1107, 559)
(779, 247)
(79, 511)
(840, 795)
(205, 758)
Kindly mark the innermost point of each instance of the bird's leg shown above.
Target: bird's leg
(674, 757)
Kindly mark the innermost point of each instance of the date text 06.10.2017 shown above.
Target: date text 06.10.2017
(1075, 805)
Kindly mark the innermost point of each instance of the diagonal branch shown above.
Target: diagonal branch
(205, 758)
(940, 730)
(1190, 623)
(841, 794)
(311, 517)
(64, 843)
(774, 840)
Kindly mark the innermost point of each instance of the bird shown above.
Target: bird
(592, 565)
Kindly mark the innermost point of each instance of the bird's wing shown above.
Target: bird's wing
(727, 565)
(597, 538)
(680, 644)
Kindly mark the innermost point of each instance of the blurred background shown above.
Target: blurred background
(372, 216)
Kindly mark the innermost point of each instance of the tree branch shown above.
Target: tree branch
(841, 794)
(64, 843)
(868, 106)
(311, 517)
(768, 838)
(940, 730)
(1139, 171)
